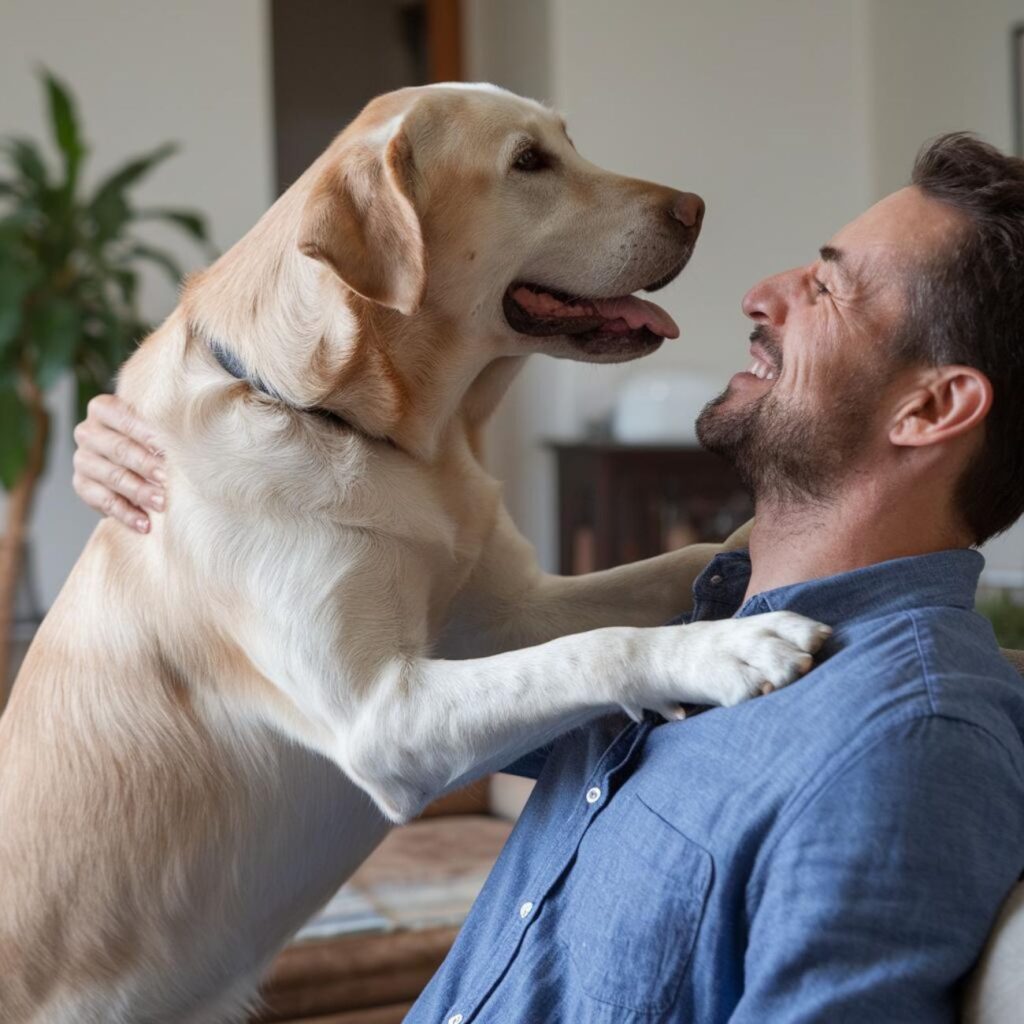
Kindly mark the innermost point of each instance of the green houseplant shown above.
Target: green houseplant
(69, 276)
(1007, 618)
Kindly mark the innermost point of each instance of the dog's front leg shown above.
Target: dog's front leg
(421, 724)
(509, 603)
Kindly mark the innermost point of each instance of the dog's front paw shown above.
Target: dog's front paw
(758, 654)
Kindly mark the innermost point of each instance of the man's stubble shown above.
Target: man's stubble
(791, 453)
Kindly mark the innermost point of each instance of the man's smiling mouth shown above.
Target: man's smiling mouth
(766, 356)
(760, 368)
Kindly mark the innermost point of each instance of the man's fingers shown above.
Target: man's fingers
(107, 503)
(121, 481)
(122, 451)
(120, 417)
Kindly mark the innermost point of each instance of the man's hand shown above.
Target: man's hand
(119, 463)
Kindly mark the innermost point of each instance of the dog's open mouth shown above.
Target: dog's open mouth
(599, 325)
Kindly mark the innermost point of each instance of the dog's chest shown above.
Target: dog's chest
(467, 501)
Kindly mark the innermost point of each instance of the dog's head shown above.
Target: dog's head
(471, 206)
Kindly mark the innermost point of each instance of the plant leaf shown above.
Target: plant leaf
(87, 387)
(189, 221)
(15, 422)
(11, 230)
(110, 338)
(15, 283)
(162, 259)
(26, 158)
(109, 209)
(109, 213)
(54, 328)
(64, 122)
(133, 171)
(128, 283)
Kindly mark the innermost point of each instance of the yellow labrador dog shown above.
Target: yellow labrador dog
(336, 621)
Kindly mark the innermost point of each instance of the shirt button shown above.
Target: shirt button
(715, 580)
(455, 1018)
(524, 910)
(593, 795)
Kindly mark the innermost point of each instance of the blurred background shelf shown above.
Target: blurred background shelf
(618, 503)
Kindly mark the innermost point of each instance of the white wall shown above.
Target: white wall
(508, 42)
(143, 71)
(789, 118)
(762, 109)
(938, 66)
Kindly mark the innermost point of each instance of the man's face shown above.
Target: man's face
(813, 406)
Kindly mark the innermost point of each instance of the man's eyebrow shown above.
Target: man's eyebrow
(835, 258)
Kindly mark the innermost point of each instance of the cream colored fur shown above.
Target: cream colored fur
(329, 626)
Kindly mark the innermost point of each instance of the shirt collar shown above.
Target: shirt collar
(941, 579)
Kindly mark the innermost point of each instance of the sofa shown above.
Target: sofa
(369, 953)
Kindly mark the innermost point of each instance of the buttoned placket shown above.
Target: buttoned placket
(595, 797)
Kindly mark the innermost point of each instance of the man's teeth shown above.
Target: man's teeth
(761, 370)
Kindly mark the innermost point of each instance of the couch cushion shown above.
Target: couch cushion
(995, 994)
(425, 875)
(367, 955)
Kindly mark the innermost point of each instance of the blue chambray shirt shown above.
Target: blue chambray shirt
(834, 852)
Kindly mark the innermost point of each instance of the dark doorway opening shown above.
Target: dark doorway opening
(331, 56)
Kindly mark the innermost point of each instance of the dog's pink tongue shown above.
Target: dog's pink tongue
(638, 313)
(627, 309)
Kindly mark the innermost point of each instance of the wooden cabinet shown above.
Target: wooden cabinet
(618, 503)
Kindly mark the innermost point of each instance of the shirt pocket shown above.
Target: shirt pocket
(634, 908)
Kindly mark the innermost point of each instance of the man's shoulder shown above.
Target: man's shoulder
(931, 645)
(964, 671)
(932, 661)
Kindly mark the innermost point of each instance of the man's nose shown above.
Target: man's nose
(768, 300)
(688, 209)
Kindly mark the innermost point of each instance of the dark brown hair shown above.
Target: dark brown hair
(967, 308)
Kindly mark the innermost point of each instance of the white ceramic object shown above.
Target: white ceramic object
(661, 407)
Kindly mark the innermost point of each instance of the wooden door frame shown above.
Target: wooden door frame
(444, 40)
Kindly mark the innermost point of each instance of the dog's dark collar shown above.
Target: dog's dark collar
(229, 362)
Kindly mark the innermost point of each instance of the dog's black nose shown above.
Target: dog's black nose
(688, 209)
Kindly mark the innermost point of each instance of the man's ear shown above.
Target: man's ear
(360, 220)
(949, 402)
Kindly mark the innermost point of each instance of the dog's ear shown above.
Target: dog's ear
(360, 220)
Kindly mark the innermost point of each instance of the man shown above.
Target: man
(837, 850)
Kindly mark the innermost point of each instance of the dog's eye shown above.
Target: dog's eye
(531, 158)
